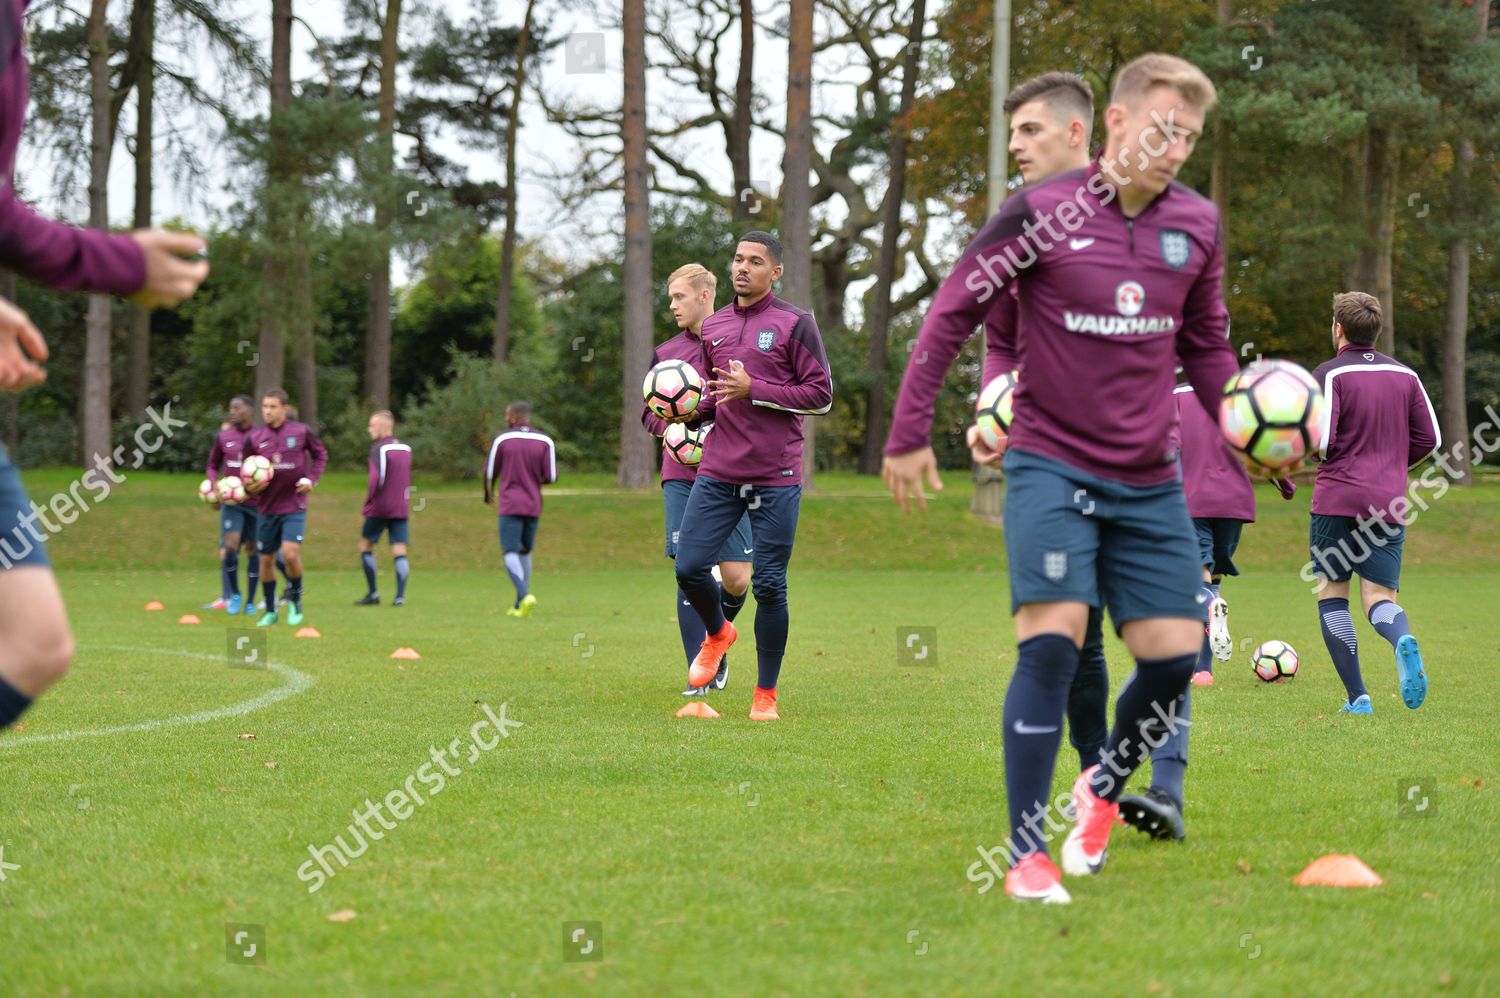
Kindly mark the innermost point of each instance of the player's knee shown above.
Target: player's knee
(45, 655)
(770, 591)
(736, 576)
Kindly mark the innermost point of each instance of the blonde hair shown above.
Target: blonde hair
(699, 276)
(1156, 69)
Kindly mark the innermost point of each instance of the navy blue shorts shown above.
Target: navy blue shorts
(674, 496)
(1217, 540)
(1072, 536)
(394, 527)
(517, 533)
(238, 520)
(276, 529)
(21, 543)
(1339, 548)
(715, 509)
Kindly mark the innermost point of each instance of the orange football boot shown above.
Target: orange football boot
(706, 663)
(763, 706)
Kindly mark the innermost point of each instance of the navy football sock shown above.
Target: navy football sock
(1343, 646)
(403, 572)
(1205, 657)
(13, 704)
(690, 625)
(517, 574)
(232, 572)
(294, 591)
(1206, 653)
(1032, 719)
(1145, 712)
(252, 576)
(1169, 761)
(771, 624)
(270, 587)
(1390, 621)
(1088, 696)
(367, 562)
(731, 604)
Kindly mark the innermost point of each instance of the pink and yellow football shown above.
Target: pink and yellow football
(256, 469)
(1272, 414)
(1274, 661)
(231, 491)
(994, 409)
(683, 445)
(673, 389)
(207, 492)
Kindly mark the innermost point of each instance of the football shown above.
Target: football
(231, 491)
(683, 445)
(992, 412)
(672, 389)
(1272, 414)
(1274, 661)
(207, 493)
(256, 469)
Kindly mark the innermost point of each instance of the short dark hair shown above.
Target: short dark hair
(765, 239)
(518, 408)
(1066, 92)
(243, 400)
(275, 393)
(1359, 314)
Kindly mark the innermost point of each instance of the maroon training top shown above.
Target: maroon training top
(1380, 423)
(51, 253)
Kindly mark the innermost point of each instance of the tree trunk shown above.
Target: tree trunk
(94, 430)
(885, 269)
(1453, 418)
(503, 301)
(138, 376)
(635, 469)
(1219, 172)
(378, 339)
(796, 193)
(1373, 270)
(304, 338)
(744, 94)
(270, 359)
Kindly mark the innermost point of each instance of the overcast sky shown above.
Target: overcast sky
(591, 51)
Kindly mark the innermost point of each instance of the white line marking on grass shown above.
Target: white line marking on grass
(296, 682)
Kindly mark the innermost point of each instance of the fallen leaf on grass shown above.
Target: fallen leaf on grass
(343, 915)
(247, 736)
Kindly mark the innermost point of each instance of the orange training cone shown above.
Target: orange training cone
(155, 605)
(189, 618)
(1338, 871)
(405, 653)
(697, 708)
(308, 632)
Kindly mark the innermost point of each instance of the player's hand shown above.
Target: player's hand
(21, 349)
(982, 452)
(304, 486)
(256, 488)
(731, 384)
(489, 500)
(1286, 486)
(172, 272)
(903, 476)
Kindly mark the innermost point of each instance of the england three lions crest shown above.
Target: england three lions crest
(1176, 248)
(766, 339)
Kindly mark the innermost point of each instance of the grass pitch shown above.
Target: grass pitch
(824, 854)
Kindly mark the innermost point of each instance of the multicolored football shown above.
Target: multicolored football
(683, 445)
(256, 469)
(231, 491)
(1274, 661)
(993, 411)
(207, 493)
(1273, 415)
(673, 389)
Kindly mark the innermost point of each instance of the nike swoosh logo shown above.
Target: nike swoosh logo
(1078, 244)
(719, 340)
(749, 550)
(1022, 728)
